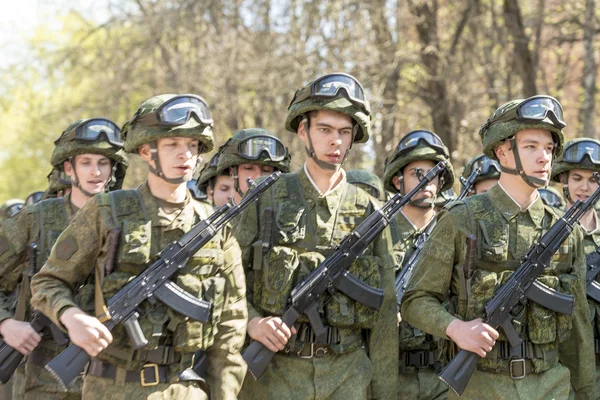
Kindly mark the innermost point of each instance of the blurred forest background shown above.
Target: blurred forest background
(442, 65)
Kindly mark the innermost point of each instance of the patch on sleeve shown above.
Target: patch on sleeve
(3, 245)
(66, 248)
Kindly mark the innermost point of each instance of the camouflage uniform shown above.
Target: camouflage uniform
(556, 346)
(419, 358)
(307, 226)
(147, 225)
(42, 223)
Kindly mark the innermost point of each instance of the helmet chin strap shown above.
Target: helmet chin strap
(530, 180)
(310, 151)
(564, 179)
(107, 185)
(158, 170)
(236, 180)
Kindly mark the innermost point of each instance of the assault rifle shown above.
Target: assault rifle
(593, 268)
(332, 275)
(155, 284)
(510, 299)
(468, 183)
(10, 358)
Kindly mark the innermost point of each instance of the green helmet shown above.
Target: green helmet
(421, 151)
(368, 181)
(354, 104)
(581, 153)
(255, 146)
(57, 181)
(503, 124)
(136, 133)
(551, 197)
(10, 208)
(209, 170)
(69, 144)
(490, 169)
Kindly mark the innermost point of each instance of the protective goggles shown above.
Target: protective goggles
(178, 111)
(332, 86)
(550, 198)
(91, 130)
(535, 109)
(415, 138)
(576, 152)
(486, 165)
(214, 160)
(33, 198)
(60, 176)
(10, 211)
(253, 147)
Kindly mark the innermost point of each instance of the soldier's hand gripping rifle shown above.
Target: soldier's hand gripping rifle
(510, 299)
(468, 183)
(155, 284)
(332, 275)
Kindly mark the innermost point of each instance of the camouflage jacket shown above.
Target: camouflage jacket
(215, 270)
(438, 273)
(308, 226)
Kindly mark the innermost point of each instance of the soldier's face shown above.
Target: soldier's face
(535, 151)
(178, 156)
(93, 171)
(484, 185)
(252, 171)
(581, 184)
(331, 135)
(222, 191)
(411, 179)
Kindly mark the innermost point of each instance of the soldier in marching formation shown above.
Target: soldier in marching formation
(66, 251)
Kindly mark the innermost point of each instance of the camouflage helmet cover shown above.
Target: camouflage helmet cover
(135, 135)
(493, 133)
(229, 156)
(421, 152)
(560, 165)
(492, 173)
(363, 177)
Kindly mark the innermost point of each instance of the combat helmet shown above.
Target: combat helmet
(92, 136)
(368, 181)
(581, 153)
(10, 208)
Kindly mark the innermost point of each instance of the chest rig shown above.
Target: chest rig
(303, 235)
(540, 328)
(201, 277)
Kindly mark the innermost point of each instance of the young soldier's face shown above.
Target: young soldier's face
(535, 151)
(222, 191)
(581, 184)
(331, 135)
(93, 171)
(252, 171)
(484, 185)
(411, 179)
(178, 156)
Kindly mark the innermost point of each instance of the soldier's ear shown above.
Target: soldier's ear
(501, 151)
(144, 152)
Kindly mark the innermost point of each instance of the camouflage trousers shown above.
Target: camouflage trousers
(6, 389)
(572, 393)
(333, 376)
(422, 384)
(16, 383)
(39, 384)
(96, 388)
(553, 384)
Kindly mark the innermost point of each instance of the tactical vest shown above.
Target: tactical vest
(295, 252)
(201, 277)
(543, 328)
(53, 220)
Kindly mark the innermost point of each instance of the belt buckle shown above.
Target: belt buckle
(312, 352)
(512, 363)
(156, 376)
(321, 351)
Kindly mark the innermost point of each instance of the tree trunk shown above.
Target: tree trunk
(590, 68)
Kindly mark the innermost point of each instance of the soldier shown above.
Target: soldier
(168, 132)
(10, 208)
(523, 135)
(91, 153)
(490, 173)
(367, 181)
(551, 197)
(416, 154)
(574, 170)
(311, 210)
(251, 153)
(59, 184)
(218, 186)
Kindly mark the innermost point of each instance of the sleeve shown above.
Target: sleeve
(71, 261)
(432, 279)
(577, 352)
(15, 236)
(245, 232)
(227, 368)
(383, 338)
